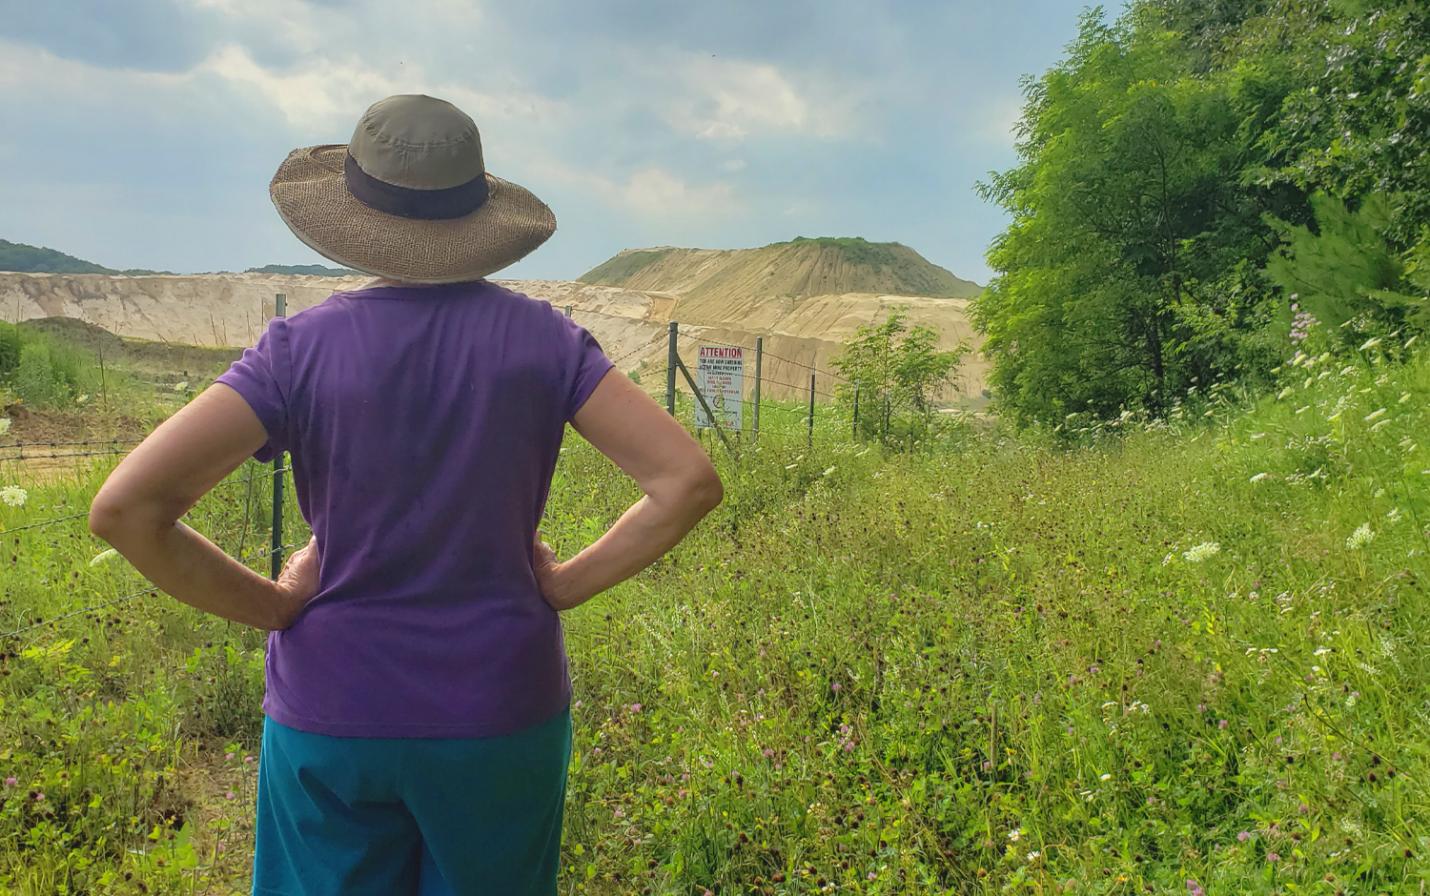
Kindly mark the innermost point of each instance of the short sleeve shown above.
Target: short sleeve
(586, 364)
(262, 377)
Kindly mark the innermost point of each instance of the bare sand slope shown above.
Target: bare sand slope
(631, 324)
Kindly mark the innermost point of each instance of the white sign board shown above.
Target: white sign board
(720, 374)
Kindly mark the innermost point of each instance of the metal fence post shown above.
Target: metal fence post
(884, 423)
(672, 360)
(811, 410)
(856, 410)
(275, 547)
(568, 310)
(759, 372)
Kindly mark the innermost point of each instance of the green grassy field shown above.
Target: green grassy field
(1182, 657)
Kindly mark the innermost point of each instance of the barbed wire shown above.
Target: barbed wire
(60, 455)
(769, 354)
(83, 442)
(43, 523)
(647, 347)
(80, 612)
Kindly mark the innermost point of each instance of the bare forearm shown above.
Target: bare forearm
(193, 570)
(643, 533)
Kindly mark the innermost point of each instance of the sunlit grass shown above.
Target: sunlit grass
(1191, 652)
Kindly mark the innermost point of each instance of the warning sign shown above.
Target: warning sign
(720, 374)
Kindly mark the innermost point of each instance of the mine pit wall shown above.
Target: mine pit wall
(231, 310)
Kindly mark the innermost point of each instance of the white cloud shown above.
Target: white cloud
(734, 166)
(320, 94)
(997, 119)
(22, 65)
(333, 93)
(730, 99)
(656, 192)
(651, 193)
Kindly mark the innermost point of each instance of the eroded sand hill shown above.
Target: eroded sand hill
(631, 324)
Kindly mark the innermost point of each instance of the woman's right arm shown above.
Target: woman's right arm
(679, 482)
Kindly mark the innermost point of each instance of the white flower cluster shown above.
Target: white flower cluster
(1198, 553)
(1360, 537)
(14, 496)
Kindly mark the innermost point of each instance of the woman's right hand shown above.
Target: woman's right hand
(548, 573)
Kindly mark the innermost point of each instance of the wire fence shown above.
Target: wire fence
(263, 484)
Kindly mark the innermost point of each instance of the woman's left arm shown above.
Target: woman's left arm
(138, 511)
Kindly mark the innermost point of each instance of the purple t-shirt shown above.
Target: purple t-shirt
(423, 425)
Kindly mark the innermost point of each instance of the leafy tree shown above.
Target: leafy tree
(898, 371)
(1346, 273)
(1161, 165)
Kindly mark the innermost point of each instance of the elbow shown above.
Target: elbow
(106, 517)
(704, 491)
(115, 519)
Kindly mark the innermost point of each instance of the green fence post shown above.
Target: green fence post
(811, 410)
(856, 410)
(672, 361)
(759, 372)
(275, 548)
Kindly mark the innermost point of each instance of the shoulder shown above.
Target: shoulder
(518, 302)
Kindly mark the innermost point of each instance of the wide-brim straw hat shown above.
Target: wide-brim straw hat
(409, 198)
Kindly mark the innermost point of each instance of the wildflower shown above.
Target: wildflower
(836, 687)
(229, 794)
(179, 387)
(1375, 415)
(1361, 537)
(1301, 324)
(827, 472)
(1283, 393)
(1104, 777)
(1201, 552)
(103, 556)
(1272, 857)
(1243, 836)
(636, 707)
(1369, 344)
(14, 496)
(12, 781)
(1015, 835)
(1033, 856)
(769, 753)
(1194, 888)
(1222, 724)
(1260, 477)
(870, 876)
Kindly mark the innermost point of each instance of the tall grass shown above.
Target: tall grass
(1191, 656)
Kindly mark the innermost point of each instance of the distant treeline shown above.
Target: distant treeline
(41, 260)
(27, 259)
(312, 270)
(1202, 186)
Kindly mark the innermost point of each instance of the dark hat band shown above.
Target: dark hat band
(407, 202)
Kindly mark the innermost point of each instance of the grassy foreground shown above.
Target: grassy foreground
(1187, 658)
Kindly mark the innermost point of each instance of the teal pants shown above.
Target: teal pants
(348, 816)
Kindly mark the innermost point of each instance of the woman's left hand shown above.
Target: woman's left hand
(298, 582)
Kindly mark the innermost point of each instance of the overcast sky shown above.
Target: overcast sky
(143, 133)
